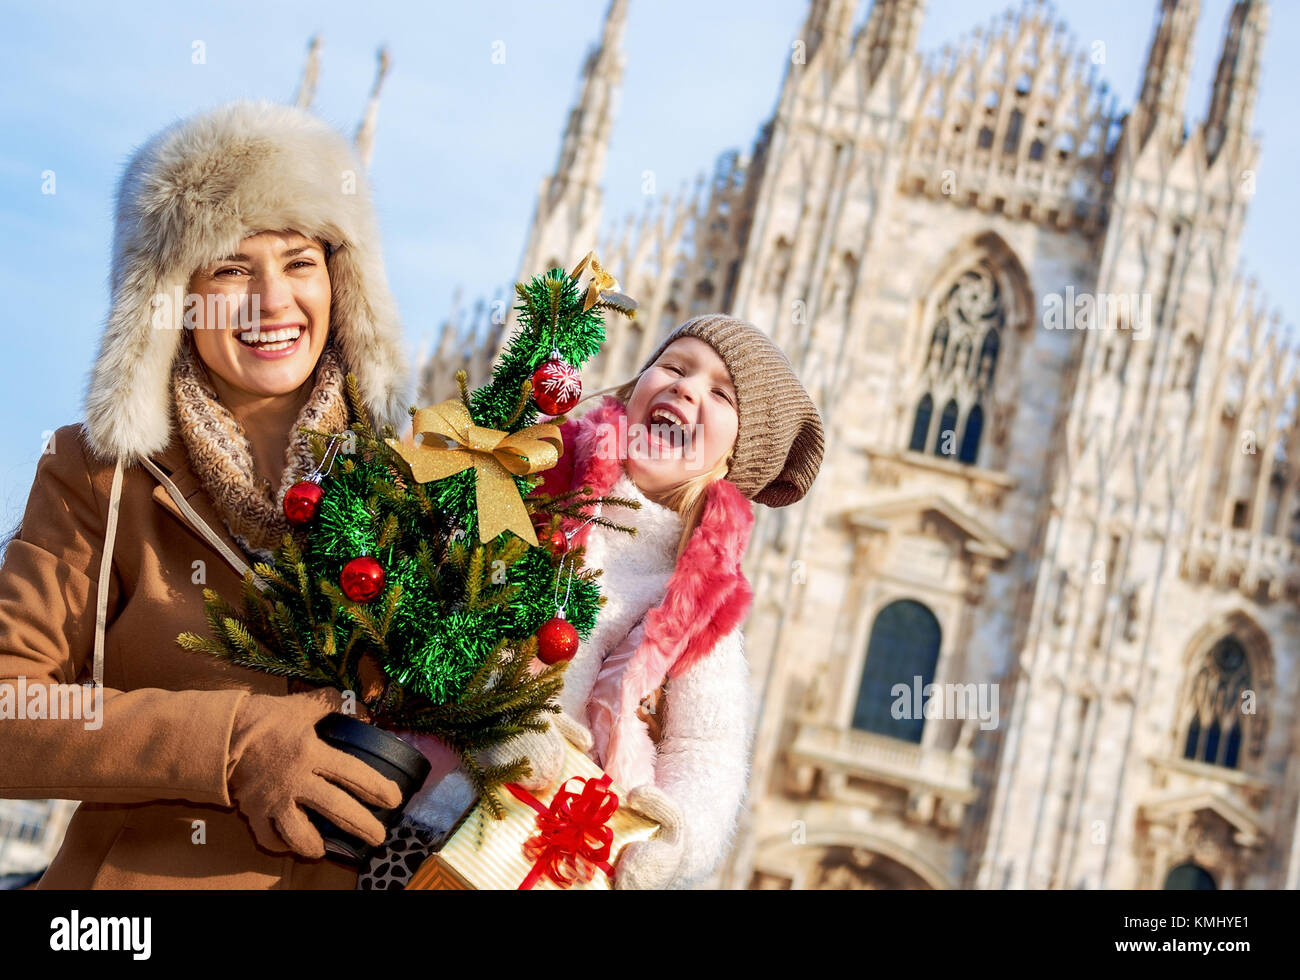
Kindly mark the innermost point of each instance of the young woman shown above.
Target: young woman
(246, 282)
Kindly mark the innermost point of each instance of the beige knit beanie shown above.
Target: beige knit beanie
(779, 442)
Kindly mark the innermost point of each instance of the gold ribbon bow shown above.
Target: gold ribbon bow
(601, 282)
(495, 456)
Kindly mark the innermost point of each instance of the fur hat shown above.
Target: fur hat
(187, 198)
(779, 440)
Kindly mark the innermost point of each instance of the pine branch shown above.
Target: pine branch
(555, 290)
(474, 578)
(389, 532)
(362, 426)
(359, 614)
(525, 390)
(202, 644)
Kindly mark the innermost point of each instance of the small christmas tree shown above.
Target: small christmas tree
(422, 556)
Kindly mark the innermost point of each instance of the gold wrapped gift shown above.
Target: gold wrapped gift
(568, 837)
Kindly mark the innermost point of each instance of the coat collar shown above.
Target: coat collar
(175, 460)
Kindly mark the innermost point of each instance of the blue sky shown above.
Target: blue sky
(462, 142)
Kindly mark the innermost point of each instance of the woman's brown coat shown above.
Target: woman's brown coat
(153, 775)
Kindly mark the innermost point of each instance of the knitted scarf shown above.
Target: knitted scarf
(222, 458)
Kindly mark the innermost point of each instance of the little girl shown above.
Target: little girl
(659, 694)
(662, 685)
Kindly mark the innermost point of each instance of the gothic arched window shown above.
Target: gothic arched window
(1189, 877)
(946, 444)
(1214, 727)
(921, 427)
(938, 343)
(970, 440)
(960, 365)
(903, 649)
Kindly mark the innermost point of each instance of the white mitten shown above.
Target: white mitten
(653, 863)
(543, 750)
(575, 733)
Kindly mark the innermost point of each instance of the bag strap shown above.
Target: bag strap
(105, 568)
(110, 537)
(193, 517)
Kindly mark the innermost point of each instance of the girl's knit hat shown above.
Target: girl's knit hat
(779, 441)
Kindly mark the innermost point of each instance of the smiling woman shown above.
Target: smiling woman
(261, 344)
(172, 486)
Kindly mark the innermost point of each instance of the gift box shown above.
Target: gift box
(570, 837)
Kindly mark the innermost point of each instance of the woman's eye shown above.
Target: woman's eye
(228, 272)
(308, 263)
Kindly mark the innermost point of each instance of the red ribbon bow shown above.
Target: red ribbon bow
(573, 838)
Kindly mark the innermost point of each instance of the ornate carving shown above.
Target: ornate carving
(1133, 610)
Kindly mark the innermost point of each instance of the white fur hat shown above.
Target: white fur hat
(187, 198)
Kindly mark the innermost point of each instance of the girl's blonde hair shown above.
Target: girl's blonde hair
(687, 498)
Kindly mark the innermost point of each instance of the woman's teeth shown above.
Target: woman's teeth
(270, 339)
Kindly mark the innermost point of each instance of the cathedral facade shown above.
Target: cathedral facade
(1036, 624)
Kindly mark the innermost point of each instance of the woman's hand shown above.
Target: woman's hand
(651, 864)
(280, 765)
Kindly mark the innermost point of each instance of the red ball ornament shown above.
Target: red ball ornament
(557, 640)
(557, 385)
(362, 579)
(301, 502)
(557, 542)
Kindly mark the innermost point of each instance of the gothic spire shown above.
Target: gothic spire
(1169, 63)
(891, 32)
(1236, 83)
(310, 73)
(365, 138)
(828, 23)
(586, 139)
(567, 218)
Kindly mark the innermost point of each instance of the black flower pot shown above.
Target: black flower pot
(383, 751)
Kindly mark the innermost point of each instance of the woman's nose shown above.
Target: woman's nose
(275, 292)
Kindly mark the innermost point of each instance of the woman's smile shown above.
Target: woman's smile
(272, 342)
(267, 336)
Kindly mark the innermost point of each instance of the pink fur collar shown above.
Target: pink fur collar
(707, 595)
